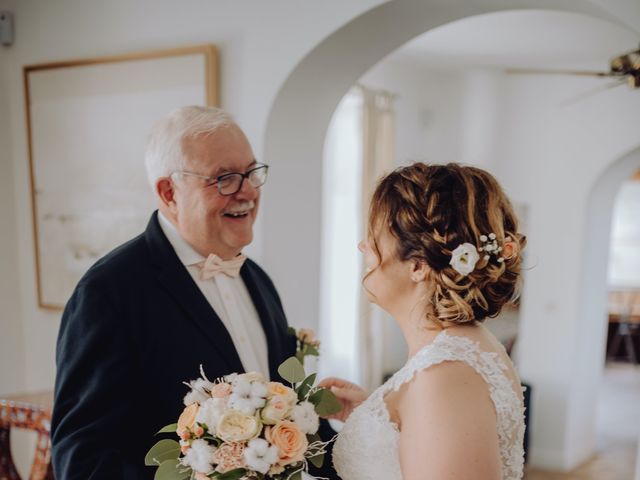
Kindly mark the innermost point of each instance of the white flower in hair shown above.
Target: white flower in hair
(464, 258)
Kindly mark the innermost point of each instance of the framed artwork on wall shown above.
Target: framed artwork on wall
(87, 125)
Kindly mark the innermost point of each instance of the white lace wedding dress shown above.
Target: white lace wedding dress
(367, 446)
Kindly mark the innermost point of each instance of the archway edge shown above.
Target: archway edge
(301, 112)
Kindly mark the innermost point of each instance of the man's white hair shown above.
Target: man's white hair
(164, 154)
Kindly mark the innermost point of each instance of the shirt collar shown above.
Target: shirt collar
(187, 255)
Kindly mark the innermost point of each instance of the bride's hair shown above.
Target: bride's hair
(432, 209)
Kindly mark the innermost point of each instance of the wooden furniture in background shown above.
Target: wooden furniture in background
(624, 325)
(29, 412)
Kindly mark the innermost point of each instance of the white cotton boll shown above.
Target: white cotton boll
(200, 456)
(195, 396)
(210, 412)
(305, 417)
(260, 455)
(247, 397)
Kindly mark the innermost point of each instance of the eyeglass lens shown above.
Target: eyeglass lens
(232, 182)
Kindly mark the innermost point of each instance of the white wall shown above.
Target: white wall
(550, 158)
(12, 372)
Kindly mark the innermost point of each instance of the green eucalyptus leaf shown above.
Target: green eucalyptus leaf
(170, 470)
(168, 429)
(295, 476)
(292, 331)
(292, 370)
(165, 449)
(318, 460)
(325, 402)
(311, 350)
(305, 386)
(235, 474)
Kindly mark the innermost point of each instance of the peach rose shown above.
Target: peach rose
(187, 419)
(308, 336)
(221, 390)
(235, 426)
(509, 249)
(229, 456)
(201, 476)
(289, 439)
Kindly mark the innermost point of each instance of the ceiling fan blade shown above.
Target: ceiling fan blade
(592, 92)
(543, 71)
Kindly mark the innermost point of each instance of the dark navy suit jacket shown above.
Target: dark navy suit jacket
(135, 328)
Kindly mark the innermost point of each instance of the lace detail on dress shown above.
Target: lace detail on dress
(367, 447)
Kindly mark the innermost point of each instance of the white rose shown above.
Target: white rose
(235, 426)
(464, 259)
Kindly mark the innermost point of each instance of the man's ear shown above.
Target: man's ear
(166, 192)
(419, 271)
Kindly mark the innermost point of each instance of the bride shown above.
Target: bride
(443, 253)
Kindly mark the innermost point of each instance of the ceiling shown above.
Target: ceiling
(522, 39)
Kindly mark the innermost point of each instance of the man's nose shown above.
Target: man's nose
(247, 190)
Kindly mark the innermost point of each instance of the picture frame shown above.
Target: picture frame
(87, 125)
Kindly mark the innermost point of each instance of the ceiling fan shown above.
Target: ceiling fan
(623, 68)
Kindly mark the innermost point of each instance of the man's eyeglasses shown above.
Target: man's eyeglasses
(231, 183)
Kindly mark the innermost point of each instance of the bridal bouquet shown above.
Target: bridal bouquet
(242, 427)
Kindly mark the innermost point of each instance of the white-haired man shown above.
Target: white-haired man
(144, 317)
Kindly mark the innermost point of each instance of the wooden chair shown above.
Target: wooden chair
(29, 412)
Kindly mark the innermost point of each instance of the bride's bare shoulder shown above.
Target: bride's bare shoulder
(444, 410)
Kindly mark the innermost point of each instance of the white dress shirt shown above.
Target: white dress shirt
(230, 299)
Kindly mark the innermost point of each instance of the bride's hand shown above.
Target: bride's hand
(348, 394)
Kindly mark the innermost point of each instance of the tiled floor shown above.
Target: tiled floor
(618, 426)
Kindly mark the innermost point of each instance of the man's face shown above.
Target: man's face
(208, 221)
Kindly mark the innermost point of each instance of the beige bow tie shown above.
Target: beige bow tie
(214, 264)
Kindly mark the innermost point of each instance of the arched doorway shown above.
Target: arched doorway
(294, 139)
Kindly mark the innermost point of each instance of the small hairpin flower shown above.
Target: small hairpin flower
(490, 247)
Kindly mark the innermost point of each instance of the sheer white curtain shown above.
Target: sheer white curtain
(358, 149)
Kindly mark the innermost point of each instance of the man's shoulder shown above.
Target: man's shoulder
(122, 261)
(258, 272)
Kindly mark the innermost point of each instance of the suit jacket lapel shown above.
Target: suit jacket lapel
(177, 281)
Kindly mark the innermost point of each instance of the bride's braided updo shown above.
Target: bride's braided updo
(432, 209)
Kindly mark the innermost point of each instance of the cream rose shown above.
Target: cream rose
(289, 439)
(276, 409)
(276, 389)
(235, 426)
(187, 419)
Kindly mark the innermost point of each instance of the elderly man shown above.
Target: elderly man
(144, 317)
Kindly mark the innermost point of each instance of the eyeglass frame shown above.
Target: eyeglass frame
(215, 180)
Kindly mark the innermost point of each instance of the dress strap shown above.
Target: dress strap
(447, 347)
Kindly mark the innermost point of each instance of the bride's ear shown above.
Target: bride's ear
(419, 271)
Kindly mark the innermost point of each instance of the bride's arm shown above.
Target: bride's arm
(448, 426)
